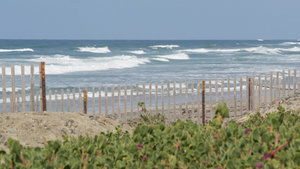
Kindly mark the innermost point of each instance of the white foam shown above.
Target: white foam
(290, 43)
(177, 56)
(161, 59)
(94, 49)
(203, 50)
(17, 50)
(137, 52)
(164, 46)
(294, 49)
(258, 50)
(17, 89)
(260, 40)
(59, 64)
(262, 50)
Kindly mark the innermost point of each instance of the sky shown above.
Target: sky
(150, 19)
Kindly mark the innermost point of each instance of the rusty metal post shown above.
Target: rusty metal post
(43, 86)
(84, 102)
(203, 102)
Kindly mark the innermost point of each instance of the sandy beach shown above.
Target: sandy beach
(35, 128)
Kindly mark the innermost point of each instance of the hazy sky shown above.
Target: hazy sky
(149, 19)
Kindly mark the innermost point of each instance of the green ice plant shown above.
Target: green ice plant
(181, 144)
(221, 113)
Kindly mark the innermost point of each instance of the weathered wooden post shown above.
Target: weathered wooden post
(203, 102)
(43, 87)
(84, 102)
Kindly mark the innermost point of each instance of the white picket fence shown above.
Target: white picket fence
(176, 100)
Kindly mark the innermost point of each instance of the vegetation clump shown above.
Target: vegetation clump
(272, 141)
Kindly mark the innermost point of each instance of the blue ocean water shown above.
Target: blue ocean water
(87, 63)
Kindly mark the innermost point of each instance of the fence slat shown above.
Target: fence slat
(241, 95)
(150, 97)
(62, 100)
(294, 80)
(216, 90)
(113, 99)
(260, 90)
(266, 83)
(131, 101)
(283, 83)
(80, 100)
(234, 93)
(248, 86)
(271, 87)
(32, 87)
(252, 93)
(50, 104)
(106, 102)
(93, 101)
(99, 100)
(156, 98)
(4, 89)
(168, 98)
(174, 100)
(18, 102)
(276, 93)
(87, 103)
(186, 100)
(222, 90)
(68, 100)
(228, 92)
(119, 102)
(193, 110)
(289, 83)
(180, 100)
(23, 88)
(125, 103)
(56, 105)
(198, 102)
(13, 89)
(210, 100)
(137, 99)
(74, 103)
(279, 87)
(162, 99)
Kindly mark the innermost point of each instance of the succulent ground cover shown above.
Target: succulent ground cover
(272, 141)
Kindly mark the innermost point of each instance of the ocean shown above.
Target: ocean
(87, 63)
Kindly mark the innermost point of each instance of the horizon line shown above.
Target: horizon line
(154, 39)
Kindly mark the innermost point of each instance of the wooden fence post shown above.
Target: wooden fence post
(203, 102)
(43, 87)
(84, 101)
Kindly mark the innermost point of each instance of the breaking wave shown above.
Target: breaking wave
(94, 49)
